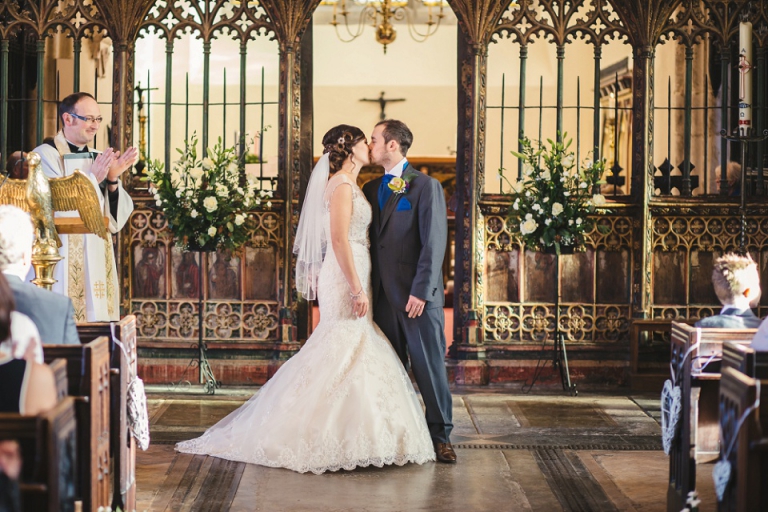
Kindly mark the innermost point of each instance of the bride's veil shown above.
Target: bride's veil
(310, 243)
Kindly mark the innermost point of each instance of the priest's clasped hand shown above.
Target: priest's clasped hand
(110, 164)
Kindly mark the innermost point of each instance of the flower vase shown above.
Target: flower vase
(564, 249)
(193, 246)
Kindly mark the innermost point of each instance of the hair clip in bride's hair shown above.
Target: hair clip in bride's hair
(341, 141)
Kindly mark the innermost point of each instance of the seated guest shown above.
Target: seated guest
(27, 387)
(24, 342)
(737, 285)
(52, 313)
(732, 178)
(10, 468)
(17, 167)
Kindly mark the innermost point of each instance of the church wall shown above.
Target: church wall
(151, 71)
(424, 74)
(95, 78)
(670, 77)
(541, 68)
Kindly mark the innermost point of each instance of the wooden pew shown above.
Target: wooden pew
(59, 369)
(698, 353)
(745, 359)
(746, 491)
(645, 379)
(122, 443)
(88, 376)
(48, 451)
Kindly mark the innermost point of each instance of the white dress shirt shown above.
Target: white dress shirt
(397, 170)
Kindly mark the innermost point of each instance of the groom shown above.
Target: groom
(408, 239)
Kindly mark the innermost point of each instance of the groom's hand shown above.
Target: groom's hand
(415, 306)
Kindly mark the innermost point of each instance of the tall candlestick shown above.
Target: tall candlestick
(745, 78)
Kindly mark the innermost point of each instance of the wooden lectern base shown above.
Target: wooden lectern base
(73, 225)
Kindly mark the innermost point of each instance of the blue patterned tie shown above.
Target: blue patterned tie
(384, 190)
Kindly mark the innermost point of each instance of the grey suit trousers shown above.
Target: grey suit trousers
(417, 337)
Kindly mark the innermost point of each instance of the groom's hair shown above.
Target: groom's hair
(398, 131)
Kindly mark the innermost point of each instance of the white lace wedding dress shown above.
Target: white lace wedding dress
(343, 401)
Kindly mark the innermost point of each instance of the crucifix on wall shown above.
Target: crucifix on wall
(382, 101)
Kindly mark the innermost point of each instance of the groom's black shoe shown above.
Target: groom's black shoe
(445, 453)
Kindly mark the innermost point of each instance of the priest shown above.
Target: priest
(88, 272)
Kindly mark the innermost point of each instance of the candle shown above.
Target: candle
(745, 78)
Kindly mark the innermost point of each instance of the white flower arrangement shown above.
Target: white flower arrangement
(192, 196)
(550, 205)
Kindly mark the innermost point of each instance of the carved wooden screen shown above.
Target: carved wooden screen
(195, 93)
(595, 285)
(684, 237)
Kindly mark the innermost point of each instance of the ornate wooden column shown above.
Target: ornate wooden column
(644, 20)
(123, 19)
(304, 321)
(477, 20)
(289, 18)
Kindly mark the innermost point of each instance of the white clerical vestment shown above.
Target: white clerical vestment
(88, 272)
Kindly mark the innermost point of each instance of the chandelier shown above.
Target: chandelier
(381, 13)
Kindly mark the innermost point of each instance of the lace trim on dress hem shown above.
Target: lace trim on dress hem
(379, 462)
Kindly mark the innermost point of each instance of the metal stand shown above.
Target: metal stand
(207, 378)
(560, 355)
(744, 140)
(560, 359)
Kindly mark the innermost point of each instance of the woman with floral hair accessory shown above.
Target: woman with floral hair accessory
(344, 400)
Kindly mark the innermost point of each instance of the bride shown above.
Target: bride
(344, 400)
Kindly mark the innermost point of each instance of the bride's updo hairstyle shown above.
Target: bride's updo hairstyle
(338, 143)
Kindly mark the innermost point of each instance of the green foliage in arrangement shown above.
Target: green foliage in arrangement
(206, 200)
(552, 202)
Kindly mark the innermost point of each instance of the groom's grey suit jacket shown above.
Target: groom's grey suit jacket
(408, 240)
(51, 312)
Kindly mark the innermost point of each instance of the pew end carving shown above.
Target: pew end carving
(59, 369)
(49, 456)
(123, 365)
(697, 354)
(88, 381)
(749, 453)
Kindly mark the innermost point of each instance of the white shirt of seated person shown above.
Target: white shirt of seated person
(24, 342)
(760, 341)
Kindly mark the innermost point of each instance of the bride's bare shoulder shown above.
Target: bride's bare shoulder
(335, 181)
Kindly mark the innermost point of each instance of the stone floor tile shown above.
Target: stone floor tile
(481, 480)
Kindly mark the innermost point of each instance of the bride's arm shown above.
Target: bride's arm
(341, 214)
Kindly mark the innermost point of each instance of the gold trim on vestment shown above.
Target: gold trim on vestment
(76, 275)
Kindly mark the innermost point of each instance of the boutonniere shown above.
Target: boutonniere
(401, 185)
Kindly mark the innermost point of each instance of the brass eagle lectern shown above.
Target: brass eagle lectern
(41, 196)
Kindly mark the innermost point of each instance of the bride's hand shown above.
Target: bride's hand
(360, 304)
